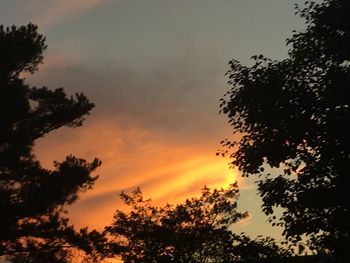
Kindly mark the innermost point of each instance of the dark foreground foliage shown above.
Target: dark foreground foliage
(195, 231)
(294, 115)
(32, 224)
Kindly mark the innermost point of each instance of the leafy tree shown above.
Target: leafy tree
(195, 231)
(33, 227)
(293, 115)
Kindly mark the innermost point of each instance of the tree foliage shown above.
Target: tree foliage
(33, 227)
(293, 115)
(195, 231)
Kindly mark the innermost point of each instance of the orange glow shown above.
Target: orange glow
(190, 176)
(133, 158)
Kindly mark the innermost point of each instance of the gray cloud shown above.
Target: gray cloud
(179, 99)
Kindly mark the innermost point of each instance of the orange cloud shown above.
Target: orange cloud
(189, 177)
(156, 131)
(133, 158)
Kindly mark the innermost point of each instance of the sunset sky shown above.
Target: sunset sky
(155, 70)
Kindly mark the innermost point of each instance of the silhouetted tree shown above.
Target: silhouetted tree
(32, 198)
(294, 115)
(195, 231)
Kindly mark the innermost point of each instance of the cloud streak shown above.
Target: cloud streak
(158, 130)
(48, 14)
(59, 11)
(156, 78)
(133, 158)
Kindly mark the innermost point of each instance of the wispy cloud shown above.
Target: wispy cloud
(50, 13)
(159, 131)
(133, 158)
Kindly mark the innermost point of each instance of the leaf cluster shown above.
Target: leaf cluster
(292, 117)
(33, 225)
(194, 231)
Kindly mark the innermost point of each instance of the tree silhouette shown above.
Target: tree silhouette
(293, 115)
(32, 198)
(195, 231)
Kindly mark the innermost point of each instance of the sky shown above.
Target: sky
(155, 70)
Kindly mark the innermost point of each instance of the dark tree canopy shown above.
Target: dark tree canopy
(294, 115)
(32, 198)
(195, 231)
